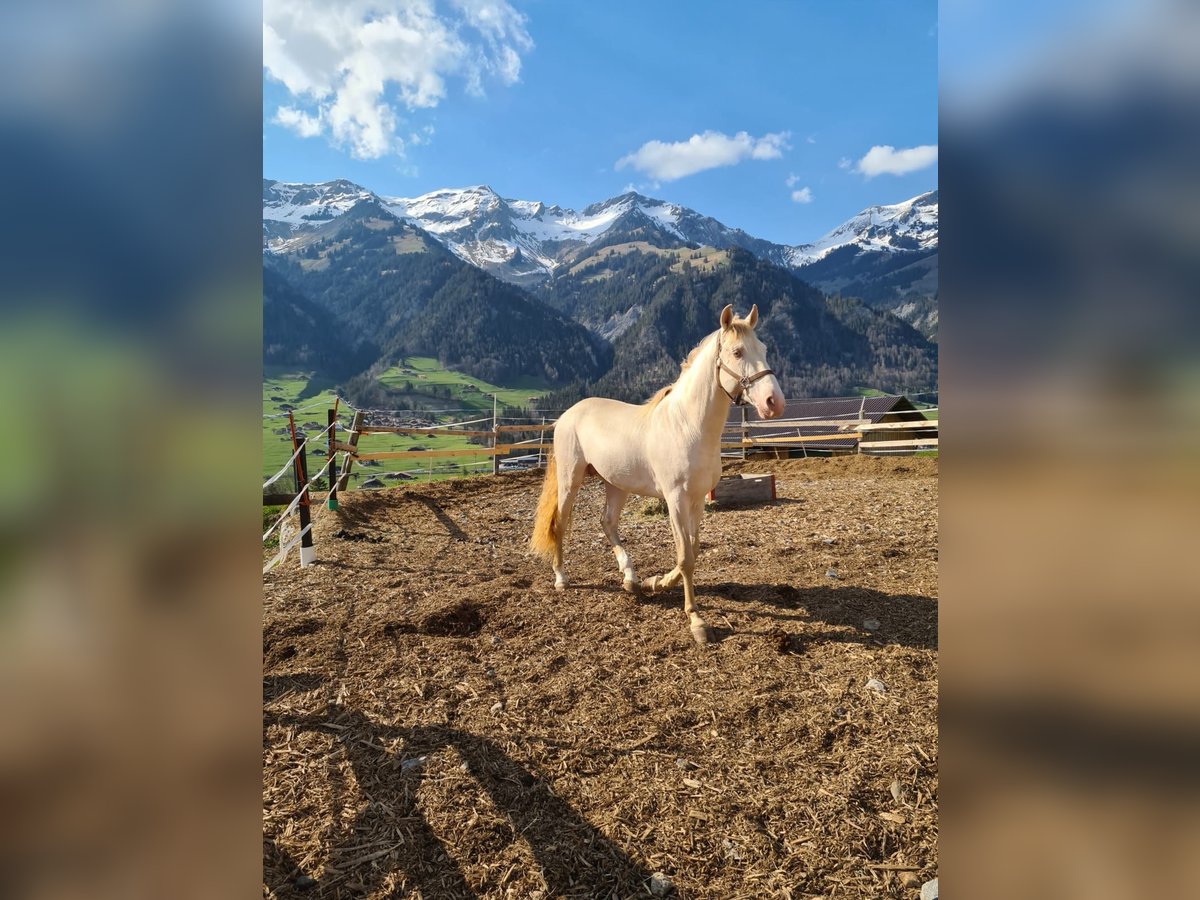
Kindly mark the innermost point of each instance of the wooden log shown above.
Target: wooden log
(745, 488)
(545, 427)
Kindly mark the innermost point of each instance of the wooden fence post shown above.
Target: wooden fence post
(331, 501)
(355, 429)
(745, 431)
(495, 435)
(308, 553)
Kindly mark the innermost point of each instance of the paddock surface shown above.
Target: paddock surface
(440, 722)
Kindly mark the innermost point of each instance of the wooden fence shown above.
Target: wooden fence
(839, 435)
(745, 439)
(857, 435)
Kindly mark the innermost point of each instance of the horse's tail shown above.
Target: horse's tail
(545, 538)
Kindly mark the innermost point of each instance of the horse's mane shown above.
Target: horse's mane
(737, 327)
(657, 397)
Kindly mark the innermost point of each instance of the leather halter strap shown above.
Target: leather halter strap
(743, 381)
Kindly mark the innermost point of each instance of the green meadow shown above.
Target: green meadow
(419, 382)
(421, 377)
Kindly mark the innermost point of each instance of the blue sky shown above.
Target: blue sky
(731, 109)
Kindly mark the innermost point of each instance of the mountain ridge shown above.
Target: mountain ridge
(459, 215)
(528, 242)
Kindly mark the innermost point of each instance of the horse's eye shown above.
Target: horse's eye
(737, 353)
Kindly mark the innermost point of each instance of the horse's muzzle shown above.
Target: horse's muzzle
(768, 399)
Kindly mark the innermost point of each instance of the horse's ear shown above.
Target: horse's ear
(727, 316)
(752, 319)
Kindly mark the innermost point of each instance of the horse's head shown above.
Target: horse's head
(742, 359)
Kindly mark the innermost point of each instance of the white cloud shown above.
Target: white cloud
(792, 179)
(844, 163)
(887, 160)
(810, 140)
(358, 64)
(298, 121)
(804, 195)
(667, 162)
(421, 136)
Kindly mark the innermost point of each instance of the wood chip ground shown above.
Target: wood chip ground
(439, 722)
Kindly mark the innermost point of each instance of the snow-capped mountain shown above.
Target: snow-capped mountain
(291, 208)
(910, 225)
(518, 240)
(884, 254)
(523, 241)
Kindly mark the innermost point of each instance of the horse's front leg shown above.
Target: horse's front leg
(700, 629)
(663, 582)
(684, 528)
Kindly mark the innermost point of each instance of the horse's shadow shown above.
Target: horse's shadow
(579, 861)
(452, 528)
(906, 619)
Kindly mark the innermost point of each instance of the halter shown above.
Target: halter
(743, 381)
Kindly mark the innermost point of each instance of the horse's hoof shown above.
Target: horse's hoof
(650, 584)
(631, 587)
(702, 634)
(560, 585)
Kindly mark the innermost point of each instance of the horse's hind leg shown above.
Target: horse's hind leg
(570, 477)
(614, 502)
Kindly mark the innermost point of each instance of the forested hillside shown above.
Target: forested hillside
(298, 332)
(389, 284)
(668, 300)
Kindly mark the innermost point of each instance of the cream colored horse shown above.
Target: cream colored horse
(669, 447)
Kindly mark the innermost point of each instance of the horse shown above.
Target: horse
(668, 447)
